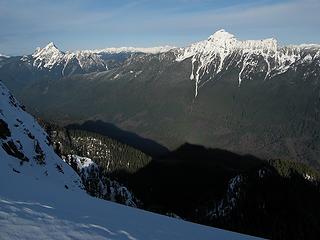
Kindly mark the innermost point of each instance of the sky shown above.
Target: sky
(92, 24)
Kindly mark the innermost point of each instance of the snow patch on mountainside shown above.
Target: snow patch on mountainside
(99, 185)
(150, 50)
(229, 202)
(84, 162)
(222, 51)
(4, 56)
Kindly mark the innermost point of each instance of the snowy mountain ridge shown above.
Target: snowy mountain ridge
(26, 150)
(3, 55)
(50, 56)
(148, 50)
(222, 51)
(209, 58)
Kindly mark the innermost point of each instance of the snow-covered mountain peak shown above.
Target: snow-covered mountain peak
(220, 35)
(51, 45)
(47, 57)
(49, 49)
(223, 50)
(221, 39)
(222, 42)
(50, 57)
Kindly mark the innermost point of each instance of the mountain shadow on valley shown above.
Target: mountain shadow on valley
(189, 176)
(237, 192)
(146, 145)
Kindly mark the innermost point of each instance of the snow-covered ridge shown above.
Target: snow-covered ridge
(50, 57)
(150, 50)
(25, 149)
(222, 51)
(5, 56)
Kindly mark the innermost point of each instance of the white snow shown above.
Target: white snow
(309, 177)
(50, 56)
(81, 217)
(116, 76)
(229, 202)
(150, 50)
(107, 188)
(86, 59)
(47, 57)
(84, 162)
(44, 201)
(26, 133)
(5, 56)
(262, 173)
(209, 57)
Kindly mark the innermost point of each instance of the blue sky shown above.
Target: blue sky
(89, 24)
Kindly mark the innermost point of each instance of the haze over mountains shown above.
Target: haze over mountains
(246, 96)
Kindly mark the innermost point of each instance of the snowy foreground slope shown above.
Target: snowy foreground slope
(41, 197)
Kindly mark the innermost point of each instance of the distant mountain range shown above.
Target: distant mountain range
(52, 61)
(249, 96)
